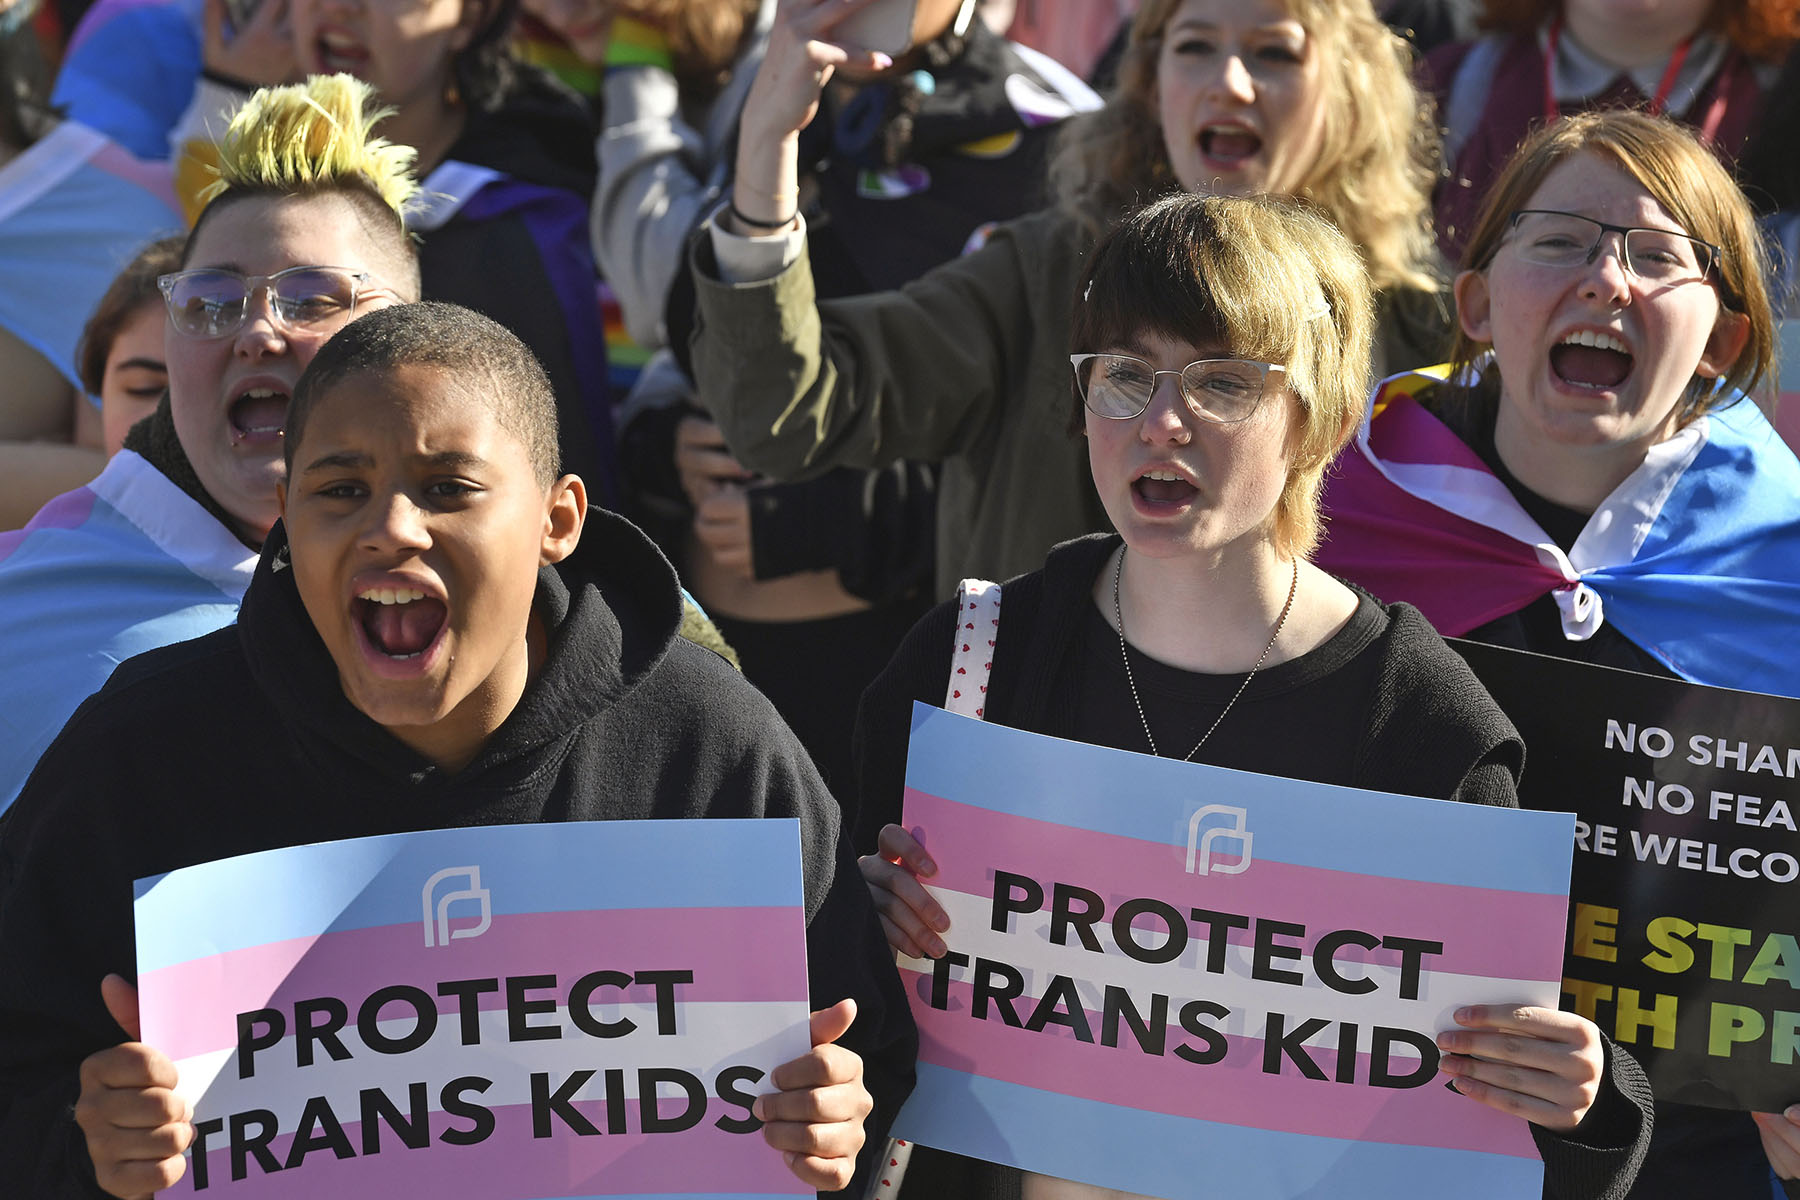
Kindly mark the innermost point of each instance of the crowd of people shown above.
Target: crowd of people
(471, 412)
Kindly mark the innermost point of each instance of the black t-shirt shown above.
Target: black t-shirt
(1258, 734)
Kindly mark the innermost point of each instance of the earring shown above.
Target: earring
(452, 94)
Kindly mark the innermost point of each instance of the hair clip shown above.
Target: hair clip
(1087, 291)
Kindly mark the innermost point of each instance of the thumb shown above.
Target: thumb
(830, 1024)
(121, 1004)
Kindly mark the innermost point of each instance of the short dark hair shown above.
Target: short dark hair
(465, 344)
(129, 292)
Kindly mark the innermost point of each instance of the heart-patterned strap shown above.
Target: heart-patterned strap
(972, 652)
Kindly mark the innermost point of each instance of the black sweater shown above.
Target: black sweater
(1417, 723)
(242, 740)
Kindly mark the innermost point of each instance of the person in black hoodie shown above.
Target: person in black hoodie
(417, 650)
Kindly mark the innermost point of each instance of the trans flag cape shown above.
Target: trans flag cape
(130, 69)
(126, 564)
(1695, 557)
(74, 209)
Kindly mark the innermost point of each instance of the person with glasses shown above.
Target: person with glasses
(1222, 347)
(963, 365)
(303, 233)
(1589, 478)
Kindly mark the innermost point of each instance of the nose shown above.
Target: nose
(1606, 277)
(1166, 418)
(395, 523)
(262, 333)
(1233, 80)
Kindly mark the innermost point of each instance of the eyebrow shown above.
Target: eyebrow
(357, 460)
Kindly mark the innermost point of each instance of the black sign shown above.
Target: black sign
(1685, 901)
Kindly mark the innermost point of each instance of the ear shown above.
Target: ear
(565, 511)
(1474, 306)
(1730, 333)
(468, 24)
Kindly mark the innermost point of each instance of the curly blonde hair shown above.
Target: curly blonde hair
(1377, 159)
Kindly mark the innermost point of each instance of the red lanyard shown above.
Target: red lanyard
(1715, 112)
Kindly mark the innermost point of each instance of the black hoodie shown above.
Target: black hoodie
(243, 740)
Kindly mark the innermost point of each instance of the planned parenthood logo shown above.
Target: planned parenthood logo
(1218, 831)
(436, 903)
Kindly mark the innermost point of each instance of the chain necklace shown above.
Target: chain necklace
(1119, 618)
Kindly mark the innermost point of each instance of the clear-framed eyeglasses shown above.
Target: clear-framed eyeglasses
(212, 302)
(1221, 390)
(1561, 239)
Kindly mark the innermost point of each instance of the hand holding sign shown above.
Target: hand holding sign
(136, 1126)
(909, 916)
(1537, 1063)
(1781, 1140)
(816, 1119)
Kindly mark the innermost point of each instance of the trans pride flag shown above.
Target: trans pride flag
(518, 1012)
(1267, 1031)
(126, 564)
(74, 209)
(1695, 557)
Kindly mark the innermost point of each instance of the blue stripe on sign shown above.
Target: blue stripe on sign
(1162, 1155)
(568, 866)
(1292, 821)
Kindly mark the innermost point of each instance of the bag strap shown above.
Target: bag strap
(971, 665)
(972, 650)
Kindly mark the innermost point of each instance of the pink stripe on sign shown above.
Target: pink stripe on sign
(735, 954)
(511, 1162)
(1269, 890)
(154, 177)
(1233, 1091)
(64, 512)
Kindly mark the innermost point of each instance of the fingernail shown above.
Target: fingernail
(1465, 1014)
(936, 948)
(1791, 1112)
(941, 922)
(757, 1109)
(927, 866)
(882, 61)
(1446, 1040)
(790, 1156)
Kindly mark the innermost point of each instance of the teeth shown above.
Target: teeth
(1599, 341)
(388, 595)
(1163, 476)
(263, 394)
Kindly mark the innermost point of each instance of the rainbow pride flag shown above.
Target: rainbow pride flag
(1168, 977)
(512, 1012)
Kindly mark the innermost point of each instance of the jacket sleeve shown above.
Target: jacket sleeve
(655, 182)
(65, 923)
(876, 528)
(1599, 1158)
(920, 373)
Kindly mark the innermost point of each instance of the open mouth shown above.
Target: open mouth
(1163, 489)
(1229, 145)
(338, 52)
(400, 623)
(259, 414)
(1593, 360)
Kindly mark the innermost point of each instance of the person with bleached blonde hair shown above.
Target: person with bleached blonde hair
(302, 232)
(1306, 99)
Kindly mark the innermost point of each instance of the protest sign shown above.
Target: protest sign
(1162, 972)
(509, 1012)
(1682, 914)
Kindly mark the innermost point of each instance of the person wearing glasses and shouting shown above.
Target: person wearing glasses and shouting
(303, 234)
(1222, 347)
(1640, 511)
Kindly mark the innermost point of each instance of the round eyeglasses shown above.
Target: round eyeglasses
(1221, 390)
(1561, 239)
(213, 303)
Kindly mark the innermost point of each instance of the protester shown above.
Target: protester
(506, 164)
(507, 684)
(961, 366)
(120, 355)
(1203, 623)
(1587, 480)
(1705, 62)
(814, 583)
(304, 233)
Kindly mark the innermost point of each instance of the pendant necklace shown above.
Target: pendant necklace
(1119, 619)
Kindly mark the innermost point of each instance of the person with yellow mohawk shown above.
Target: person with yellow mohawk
(301, 232)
